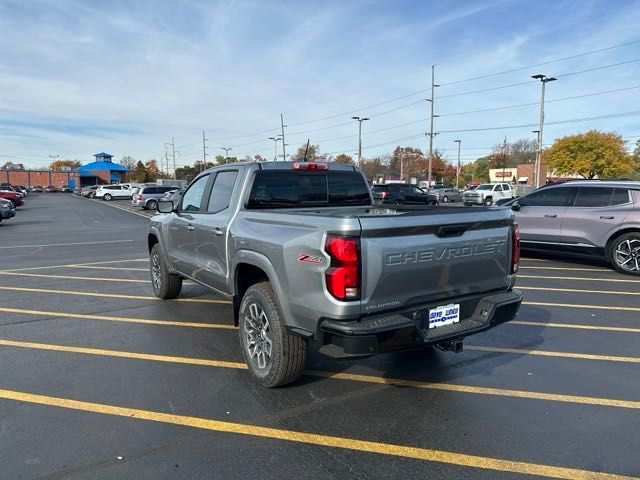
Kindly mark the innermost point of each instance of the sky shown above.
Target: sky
(126, 77)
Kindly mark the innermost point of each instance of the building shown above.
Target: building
(102, 171)
(523, 174)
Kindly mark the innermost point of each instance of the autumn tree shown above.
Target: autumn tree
(139, 174)
(64, 164)
(344, 158)
(221, 160)
(153, 172)
(375, 167)
(312, 154)
(589, 154)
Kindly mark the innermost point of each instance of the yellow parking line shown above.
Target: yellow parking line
(68, 277)
(578, 290)
(593, 279)
(595, 401)
(546, 353)
(109, 318)
(113, 295)
(574, 269)
(352, 444)
(576, 326)
(75, 264)
(98, 267)
(64, 244)
(590, 307)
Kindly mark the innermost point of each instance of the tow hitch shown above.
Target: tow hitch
(454, 346)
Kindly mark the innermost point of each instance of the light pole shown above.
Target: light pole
(537, 132)
(431, 133)
(226, 152)
(275, 147)
(543, 80)
(458, 169)
(360, 120)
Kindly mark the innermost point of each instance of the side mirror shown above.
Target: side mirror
(165, 206)
(515, 206)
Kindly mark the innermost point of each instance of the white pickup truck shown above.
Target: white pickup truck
(487, 193)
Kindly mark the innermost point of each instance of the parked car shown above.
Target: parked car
(66, 189)
(7, 210)
(174, 195)
(51, 189)
(22, 189)
(10, 188)
(37, 189)
(307, 260)
(402, 194)
(109, 192)
(89, 192)
(446, 194)
(13, 197)
(487, 193)
(147, 196)
(596, 218)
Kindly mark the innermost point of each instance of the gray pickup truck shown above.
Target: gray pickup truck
(308, 259)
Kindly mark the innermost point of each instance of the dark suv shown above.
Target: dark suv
(589, 217)
(402, 194)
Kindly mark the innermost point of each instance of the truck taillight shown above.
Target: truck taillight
(343, 275)
(515, 248)
(384, 194)
(309, 166)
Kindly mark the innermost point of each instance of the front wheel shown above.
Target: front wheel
(624, 253)
(273, 355)
(488, 202)
(433, 203)
(165, 284)
(445, 199)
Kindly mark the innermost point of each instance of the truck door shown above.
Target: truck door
(182, 248)
(213, 232)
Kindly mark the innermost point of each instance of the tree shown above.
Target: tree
(589, 154)
(522, 151)
(344, 158)
(220, 160)
(128, 162)
(139, 174)
(313, 154)
(636, 157)
(259, 158)
(374, 168)
(64, 164)
(153, 172)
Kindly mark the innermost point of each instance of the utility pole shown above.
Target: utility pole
(204, 152)
(173, 147)
(360, 120)
(543, 80)
(226, 153)
(275, 147)
(431, 117)
(459, 142)
(284, 151)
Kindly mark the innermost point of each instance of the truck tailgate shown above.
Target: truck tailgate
(421, 258)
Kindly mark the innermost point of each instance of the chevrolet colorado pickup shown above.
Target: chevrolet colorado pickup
(308, 259)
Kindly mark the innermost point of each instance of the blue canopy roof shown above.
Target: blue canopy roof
(114, 167)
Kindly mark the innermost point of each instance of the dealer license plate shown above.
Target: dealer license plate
(444, 315)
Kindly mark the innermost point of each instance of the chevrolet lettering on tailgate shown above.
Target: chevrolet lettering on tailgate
(446, 253)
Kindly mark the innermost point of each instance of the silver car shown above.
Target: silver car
(147, 196)
(597, 218)
(446, 194)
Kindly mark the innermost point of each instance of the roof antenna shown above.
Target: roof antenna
(305, 151)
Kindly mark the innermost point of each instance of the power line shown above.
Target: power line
(526, 67)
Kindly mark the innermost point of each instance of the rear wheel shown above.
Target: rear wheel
(107, 197)
(433, 203)
(165, 285)
(273, 355)
(624, 253)
(445, 199)
(151, 205)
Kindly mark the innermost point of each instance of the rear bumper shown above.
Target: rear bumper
(409, 329)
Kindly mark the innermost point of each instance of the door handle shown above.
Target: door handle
(190, 228)
(218, 231)
(551, 216)
(607, 217)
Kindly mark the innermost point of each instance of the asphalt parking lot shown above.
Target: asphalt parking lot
(98, 379)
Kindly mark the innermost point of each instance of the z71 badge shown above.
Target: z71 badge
(304, 258)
